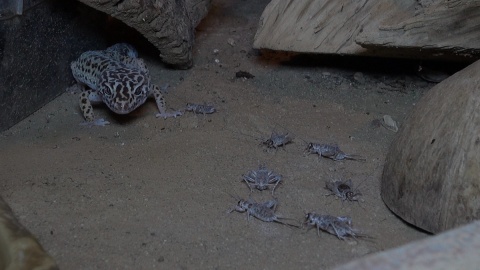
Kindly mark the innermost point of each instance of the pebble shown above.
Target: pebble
(389, 123)
(358, 76)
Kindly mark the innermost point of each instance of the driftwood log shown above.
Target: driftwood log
(449, 28)
(335, 27)
(19, 250)
(431, 176)
(167, 24)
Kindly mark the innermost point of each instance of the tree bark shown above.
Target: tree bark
(168, 24)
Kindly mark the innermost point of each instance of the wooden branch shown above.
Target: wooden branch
(407, 28)
(167, 24)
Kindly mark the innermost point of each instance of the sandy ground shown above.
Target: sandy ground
(147, 193)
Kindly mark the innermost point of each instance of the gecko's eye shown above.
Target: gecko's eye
(107, 91)
(139, 91)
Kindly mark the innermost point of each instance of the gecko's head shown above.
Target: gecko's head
(138, 63)
(123, 90)
(123, 49)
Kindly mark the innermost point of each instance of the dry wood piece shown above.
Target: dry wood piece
(431, 176)
(447, 28)
(18, 247)
(455, 249)
(425, 29)
(168, 24)
(326, 26)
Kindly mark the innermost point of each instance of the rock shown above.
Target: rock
(358, 76)
(431, 75)
(388, 123)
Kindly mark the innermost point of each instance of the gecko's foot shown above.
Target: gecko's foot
(98, 122)
(166, 115)
(75, 89)
(164, 88)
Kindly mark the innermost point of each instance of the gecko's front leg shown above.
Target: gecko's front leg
(161, 104)
(86, 99)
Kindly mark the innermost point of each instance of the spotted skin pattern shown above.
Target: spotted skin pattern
(117, 78)
(123, 49)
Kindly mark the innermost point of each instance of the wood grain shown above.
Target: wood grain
(168, 25)
(448, 28)
(431, 176)
(19, 250)
(409, 28)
